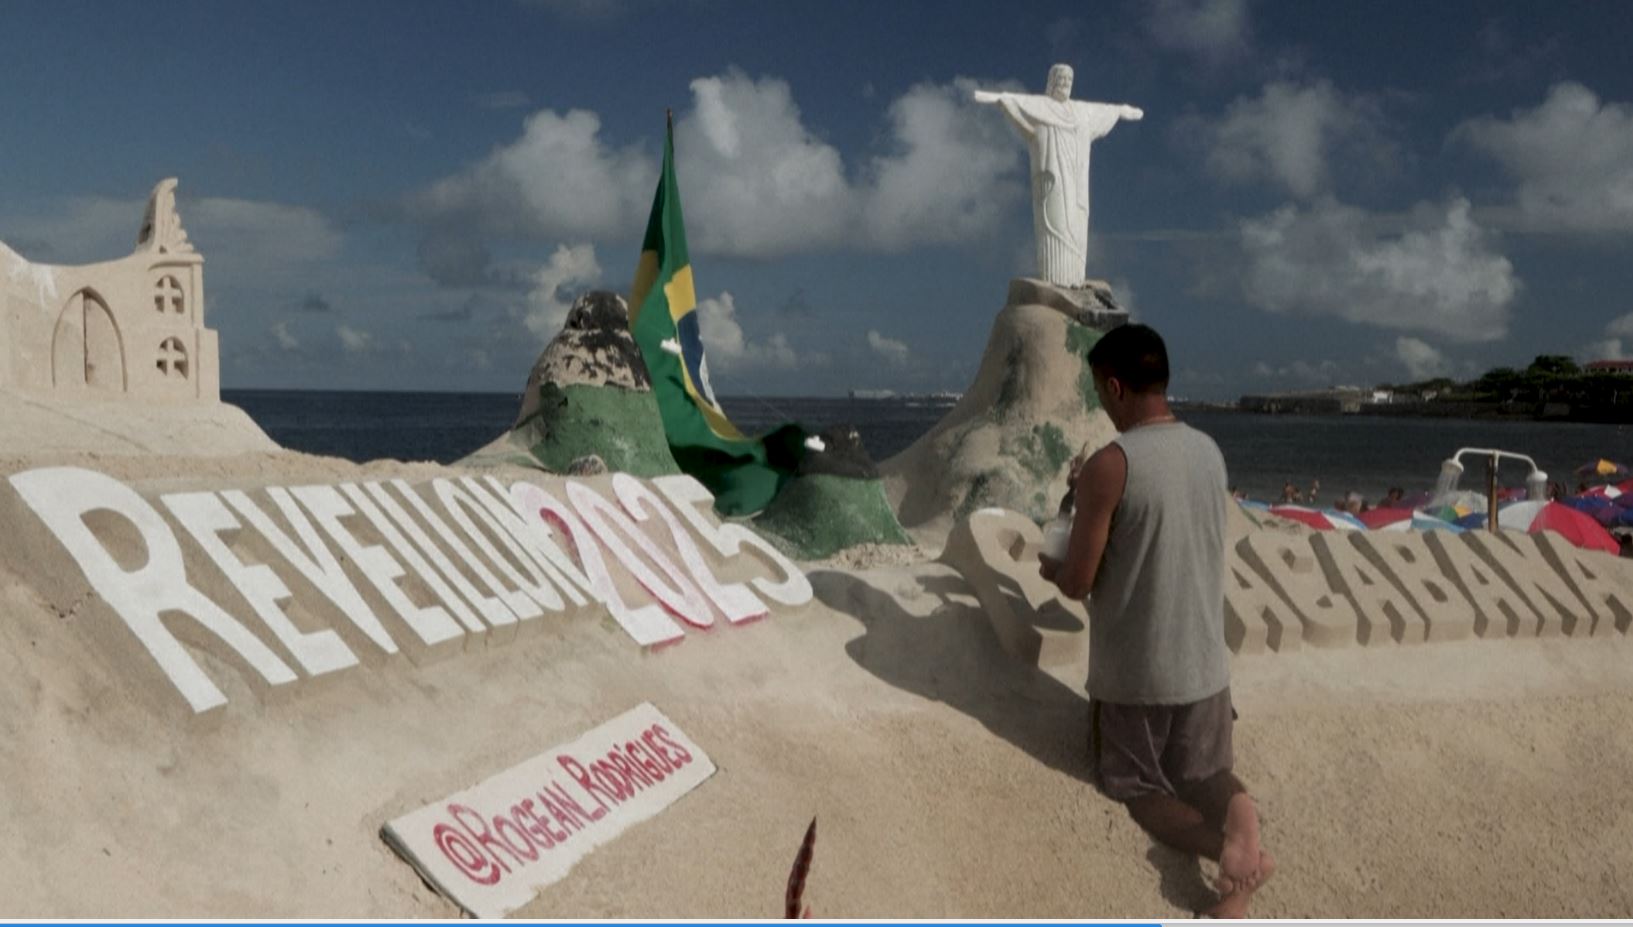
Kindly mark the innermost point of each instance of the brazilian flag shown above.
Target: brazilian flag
(743, 473)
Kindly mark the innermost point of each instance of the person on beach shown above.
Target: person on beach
(1289, 493)
(1148, 540)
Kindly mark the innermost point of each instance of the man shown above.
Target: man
(1148, 540)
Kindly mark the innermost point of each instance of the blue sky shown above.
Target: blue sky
(406, 195)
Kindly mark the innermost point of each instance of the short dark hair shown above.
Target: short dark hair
(1135, 355)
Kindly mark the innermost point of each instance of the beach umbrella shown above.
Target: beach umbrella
(1319, 519)
(1383, 517)
(1424, 522)
(1575, 526)
(1602, 491)
(1601, 509)
(1421, 521)
(1603, 469)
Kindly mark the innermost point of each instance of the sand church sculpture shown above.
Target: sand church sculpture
(130, 329)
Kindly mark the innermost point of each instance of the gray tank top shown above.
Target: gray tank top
(1156, 613)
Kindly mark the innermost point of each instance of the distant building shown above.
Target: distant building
(1345, 401)
(1609, 366)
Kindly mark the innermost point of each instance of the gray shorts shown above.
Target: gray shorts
(1150, 749)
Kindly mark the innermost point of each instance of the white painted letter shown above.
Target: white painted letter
(204, 517)
(61, 496)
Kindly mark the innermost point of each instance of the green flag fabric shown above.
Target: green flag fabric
(743, 473)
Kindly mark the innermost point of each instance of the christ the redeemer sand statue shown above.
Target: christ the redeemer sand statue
(1059, 131)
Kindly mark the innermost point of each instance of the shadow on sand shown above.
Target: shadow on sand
(948, 652)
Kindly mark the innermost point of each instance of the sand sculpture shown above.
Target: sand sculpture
(223, 679)
(997, 553)
(589, 398)
(129, 329)
(588, 394)
(1059, 132)
(1285, 592)
(1032, 406)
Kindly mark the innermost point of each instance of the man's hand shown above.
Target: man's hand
(986, 96)
(1048, 567)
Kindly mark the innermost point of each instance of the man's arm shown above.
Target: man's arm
(1099, 490)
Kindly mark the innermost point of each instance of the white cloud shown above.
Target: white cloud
(1290, 134)
(1421, 359)
(1612, 346)
(955, 169)
(286, 340)
(756, 180)
(728, 348)
(1572, 157)
(1441, 276)
(1621, 326)
(1605, 349)
(1214, 30)
(888, 348)
(552, 294)
(559, 180)
(354, 340)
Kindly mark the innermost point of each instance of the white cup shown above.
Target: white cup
(1056, 535)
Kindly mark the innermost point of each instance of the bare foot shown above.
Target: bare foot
(1239, 858)
(1233, 903)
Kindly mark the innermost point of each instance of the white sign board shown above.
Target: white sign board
(493, 846)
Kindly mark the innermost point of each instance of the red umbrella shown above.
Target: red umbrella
(1377, 518)
(1577, 527)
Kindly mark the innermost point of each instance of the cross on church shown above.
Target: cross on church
(169, 295)
(172, 358)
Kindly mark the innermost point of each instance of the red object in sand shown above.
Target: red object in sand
(796, 877)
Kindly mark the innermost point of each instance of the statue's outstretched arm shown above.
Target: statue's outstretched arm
(1131, 113)
(1006, 102)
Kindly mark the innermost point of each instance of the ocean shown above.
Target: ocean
(1361, 453)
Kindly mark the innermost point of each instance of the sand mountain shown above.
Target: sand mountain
(1031, 407)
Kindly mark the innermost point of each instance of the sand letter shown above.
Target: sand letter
(410, 556)
(321, 569)
(541, 516)
(431, 624)
(735, 601)
(1288, 564)
(461, 505)
(1515, 557)
(1384, 613)
(685, 493)
(648, 625)
(62, 496)
(1406, 560)
(680, 596)
(205, 518)
(488, 605)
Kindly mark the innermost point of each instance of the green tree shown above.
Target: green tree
(1558, 365)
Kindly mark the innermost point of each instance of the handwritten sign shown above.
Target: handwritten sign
(492, 847)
